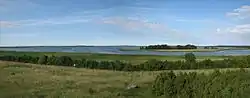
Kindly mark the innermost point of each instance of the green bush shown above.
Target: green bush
(43, 59)
(230, 84)
(65, 61)
(190, 57)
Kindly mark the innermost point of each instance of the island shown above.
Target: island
(180, 48)
(165, 46)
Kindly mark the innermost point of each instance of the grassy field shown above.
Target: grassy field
(134, 59)
(41, 81)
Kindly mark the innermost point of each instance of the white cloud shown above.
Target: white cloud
(241, 13)
(240, 29)
(133, 23)
(149, 29)
(237, 29)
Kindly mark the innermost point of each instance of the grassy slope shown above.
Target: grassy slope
(135, 59)
(30, 80)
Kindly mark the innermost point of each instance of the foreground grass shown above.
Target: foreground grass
(33, 81)
(134, 59)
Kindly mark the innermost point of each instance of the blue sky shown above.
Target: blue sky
(124, 22)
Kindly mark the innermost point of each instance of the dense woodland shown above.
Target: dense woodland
(150, 65)
(164, 46)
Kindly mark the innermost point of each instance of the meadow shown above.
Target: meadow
(54, 75)
(43, 81)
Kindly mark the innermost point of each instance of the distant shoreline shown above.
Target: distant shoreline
(181, 50)
(186, 50)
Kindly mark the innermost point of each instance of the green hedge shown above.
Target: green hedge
(150, 65)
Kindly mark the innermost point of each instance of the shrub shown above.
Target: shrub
(164, 84)
(192, 85)
(64, 61)
(43, 59)
(190, 57)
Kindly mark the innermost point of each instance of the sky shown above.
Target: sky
(124, 22)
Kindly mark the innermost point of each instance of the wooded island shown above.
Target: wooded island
(165, 46)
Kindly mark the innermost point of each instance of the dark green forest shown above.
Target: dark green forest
(150, 65)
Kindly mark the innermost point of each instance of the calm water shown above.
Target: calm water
(115, 50)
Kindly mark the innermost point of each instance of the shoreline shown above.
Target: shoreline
(181, 50)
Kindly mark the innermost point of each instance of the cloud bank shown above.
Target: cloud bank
(241, 13)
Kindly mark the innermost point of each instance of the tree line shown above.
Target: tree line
(190, 62)
(229, 84)
(165, 46)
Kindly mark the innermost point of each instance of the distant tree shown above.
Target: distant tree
(190, 57)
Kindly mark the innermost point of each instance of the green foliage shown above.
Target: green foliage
(150, 65)
(190, 57)
(43, 59)
(52, 60)
(65, 61)
(192, 85)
